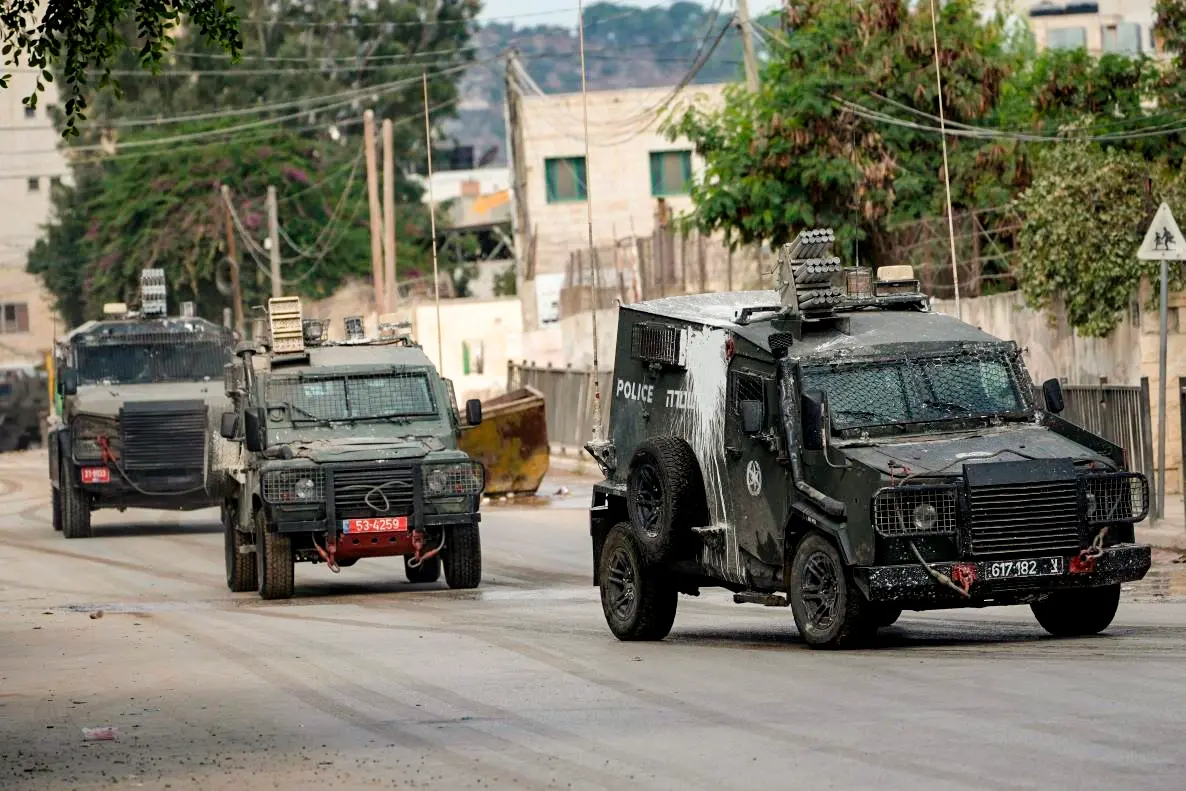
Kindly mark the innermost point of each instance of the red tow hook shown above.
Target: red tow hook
(1084, 562)
(331, 542)
(419, 556)
(105, 454)
(964, 575)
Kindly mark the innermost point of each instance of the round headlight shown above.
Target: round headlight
(1091, 504)
(925, 516)
(305, 488)
(437, 480)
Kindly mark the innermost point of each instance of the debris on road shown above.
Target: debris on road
(96, 615)
(105, 733)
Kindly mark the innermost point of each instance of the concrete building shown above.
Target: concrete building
(30, 165)
(1106, 26)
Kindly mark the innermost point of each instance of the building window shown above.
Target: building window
(14, 317)
(1066, 38)
(671, 173)
(565, 179)
(55, 181)
(30, 112)
(34, 184)
(1123, 38)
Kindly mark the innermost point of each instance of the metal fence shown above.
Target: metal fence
(568, 393)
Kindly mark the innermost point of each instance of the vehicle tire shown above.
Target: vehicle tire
(829, 610)
(664, 495)
(462, 557)
(242, 575)
(638, 598)
(1074, 613)
(883, 615)
(56, 497)
(428, 571)
(76, 511)
(274, 561)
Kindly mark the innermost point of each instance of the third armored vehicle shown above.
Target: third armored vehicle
(840, 449)
(352, 453)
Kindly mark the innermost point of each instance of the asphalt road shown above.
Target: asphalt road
(366, 681)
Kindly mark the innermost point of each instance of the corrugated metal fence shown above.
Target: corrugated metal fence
(568, 393)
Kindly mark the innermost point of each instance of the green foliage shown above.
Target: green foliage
(847, 172)
(1086, 214)
(87, 36)
(506, 283)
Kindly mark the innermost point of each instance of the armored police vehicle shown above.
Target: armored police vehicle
(351, 453)
(141, 396)
(24, 405)
(838, 448)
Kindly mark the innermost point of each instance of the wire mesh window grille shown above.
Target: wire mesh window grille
(354, 397)
(454, 480)
(294, 486)
(747, 387)
(915, 511)
(656, 343)
(171, 350)
(1122, 497)
(920, 390)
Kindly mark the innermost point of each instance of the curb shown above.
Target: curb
(1162, 536)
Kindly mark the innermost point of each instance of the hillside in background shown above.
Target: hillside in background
(625, 47)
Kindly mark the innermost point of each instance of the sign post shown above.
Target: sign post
(1164, 243)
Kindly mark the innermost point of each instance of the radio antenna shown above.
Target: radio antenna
(432, 219)
(597, 428)
(955, 273)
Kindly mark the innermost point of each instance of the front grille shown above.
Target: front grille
(163, 435)
(369, 491)
(1024, 518)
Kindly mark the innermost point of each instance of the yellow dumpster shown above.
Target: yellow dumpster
(512, 441)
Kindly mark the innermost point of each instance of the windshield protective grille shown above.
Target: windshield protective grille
(143, 363)
(312, 399)
(920, 390)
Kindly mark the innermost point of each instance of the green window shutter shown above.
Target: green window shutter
(578, 166)
(656, 173)
(550, 179)
(686, 168)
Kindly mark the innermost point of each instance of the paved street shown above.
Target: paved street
(364, 680)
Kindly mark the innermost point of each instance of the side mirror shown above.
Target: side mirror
(253, 430)
(473, 412)
(752, 417)
(1052, 395)
(229, 427)
(814, 413)
(68, 380)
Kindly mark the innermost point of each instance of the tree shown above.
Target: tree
(794, 155)
(82, 37)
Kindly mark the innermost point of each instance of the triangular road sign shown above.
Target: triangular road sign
(1163, 240)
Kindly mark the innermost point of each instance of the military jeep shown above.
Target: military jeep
(351, 453)
(838, 448)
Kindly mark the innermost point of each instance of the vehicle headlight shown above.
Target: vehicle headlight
(924, 516)
(456, 479)
(294, 486)
(1091, 504)
(85, 432)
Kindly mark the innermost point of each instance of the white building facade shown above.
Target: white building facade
(1104, 26)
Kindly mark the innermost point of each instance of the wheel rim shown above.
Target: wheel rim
(648, 497)
(621, 585)
(820, 591)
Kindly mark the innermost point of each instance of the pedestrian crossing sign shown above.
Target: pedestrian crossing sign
(1163, 240)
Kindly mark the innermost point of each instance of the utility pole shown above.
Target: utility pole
(747, 45)
(368, 143)
(389, 214)
(274, 243)
(233, 257)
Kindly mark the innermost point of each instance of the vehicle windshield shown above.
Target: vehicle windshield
(322, 399)
(145, 363)
(918, 390)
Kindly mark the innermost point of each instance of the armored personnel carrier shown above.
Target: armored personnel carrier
(838, 448)
(24, 405)
(141, 396)
(351, 453)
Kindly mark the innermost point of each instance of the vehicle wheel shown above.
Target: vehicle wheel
(428, 571)
(884, 615)
(76, 511)
(1073, 613)
(829, 610)
(241, 572)
(273, 555)
(637, 597)
(664, 495)
(56, 497)
(462, 557)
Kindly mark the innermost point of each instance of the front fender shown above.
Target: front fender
(805, 517)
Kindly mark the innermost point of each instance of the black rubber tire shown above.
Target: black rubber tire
(76, 511)
(242, 574)
(638, 598)
(427, 571)
(56, 497)
(1075, 613)
(664, 495)
(273, 555)
(462, 557)
(848, 621)
(884, 615)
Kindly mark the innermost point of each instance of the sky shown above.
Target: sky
(564, 12)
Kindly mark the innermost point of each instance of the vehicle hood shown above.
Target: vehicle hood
(346, 449)
(947, 454)
(106, 400)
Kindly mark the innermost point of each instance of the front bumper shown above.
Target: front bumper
(911, 584)
(285, 524)
(105, 485)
